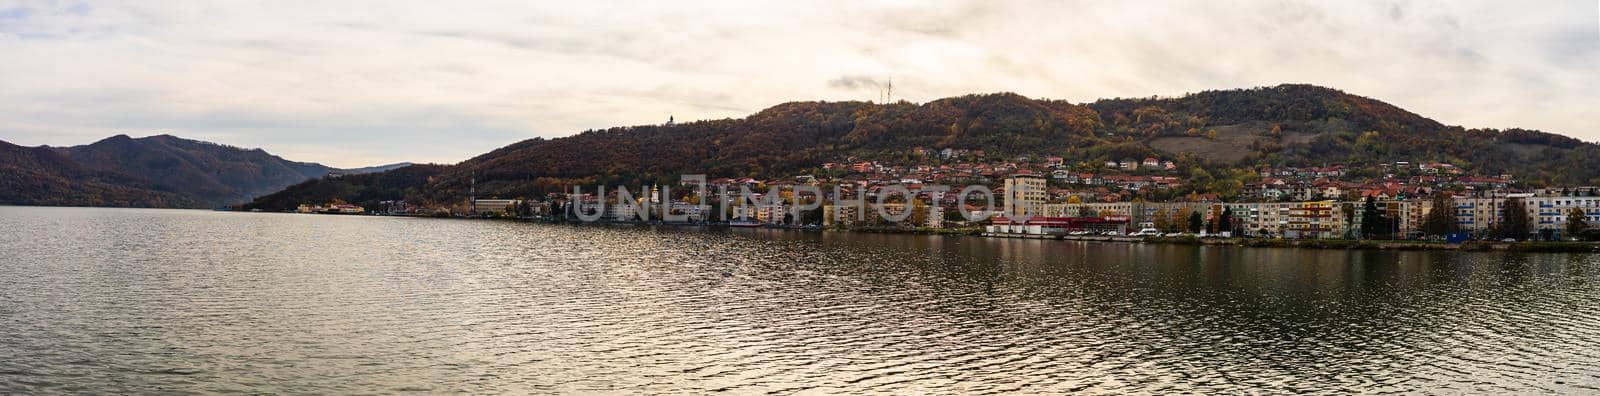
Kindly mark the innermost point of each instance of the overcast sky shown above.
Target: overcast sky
(353, 84)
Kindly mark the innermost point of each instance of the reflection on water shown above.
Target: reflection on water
(111, 300)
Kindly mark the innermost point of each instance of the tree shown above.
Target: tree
(1514, 222)
(1373, 223)
(717, 211)
(1195, 222)
(1225, 221)
(524, 208)
(919, 213)
(1348, 211)
(1577, 222)
(1441, 219)
(1162, 222)
(952, 215)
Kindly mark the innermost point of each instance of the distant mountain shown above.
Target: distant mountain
(42, 176)
(155, 171)
(1294, 125)
(375, 169)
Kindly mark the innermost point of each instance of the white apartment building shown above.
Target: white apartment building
(1024, 195)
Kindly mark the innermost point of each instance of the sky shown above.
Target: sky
(358, 83)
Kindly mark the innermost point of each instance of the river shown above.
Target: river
(175, 301)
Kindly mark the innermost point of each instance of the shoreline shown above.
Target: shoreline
(1336, 244)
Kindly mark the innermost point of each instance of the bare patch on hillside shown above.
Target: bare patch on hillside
(1527, 151)
(1298, 137)
(1231, 144)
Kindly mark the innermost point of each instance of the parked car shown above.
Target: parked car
(1146, 232)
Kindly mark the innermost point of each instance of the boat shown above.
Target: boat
(744, 223)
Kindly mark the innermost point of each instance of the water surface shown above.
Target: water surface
(165, 301)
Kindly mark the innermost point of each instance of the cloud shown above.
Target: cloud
(857, 82)
(15, 13)
(353, 83)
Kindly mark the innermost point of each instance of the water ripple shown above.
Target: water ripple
(157, 301)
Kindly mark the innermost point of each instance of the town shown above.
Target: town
(1050, 196)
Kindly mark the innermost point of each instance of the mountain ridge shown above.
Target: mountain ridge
(155, 171)
(1283, 125)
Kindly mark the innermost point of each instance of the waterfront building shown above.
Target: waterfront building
(773, 214)
(1024, 195)
(1261, 219)
(922, 215)
(695, 213)
(1480, 214)
(616, 212)
(343, 209)
(841, 215)
(495, 206)
(1415, 213)
(934, 218)
(1549, 214)
(1054, 210)
(1311, 220)
(1042, 225)
(332, 208)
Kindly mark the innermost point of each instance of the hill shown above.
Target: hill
(155, 171)
(365, 189)
(1286, 125)
(42, 176)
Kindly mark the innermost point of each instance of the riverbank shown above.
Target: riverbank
(1470, 246)
(1340, 244)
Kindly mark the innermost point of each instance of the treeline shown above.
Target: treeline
(407, 183)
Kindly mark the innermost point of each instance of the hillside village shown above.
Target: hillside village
(1288, 161)
(1062, 197)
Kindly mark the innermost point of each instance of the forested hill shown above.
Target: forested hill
(42, 176)
(1297, 125)
(156, 171)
